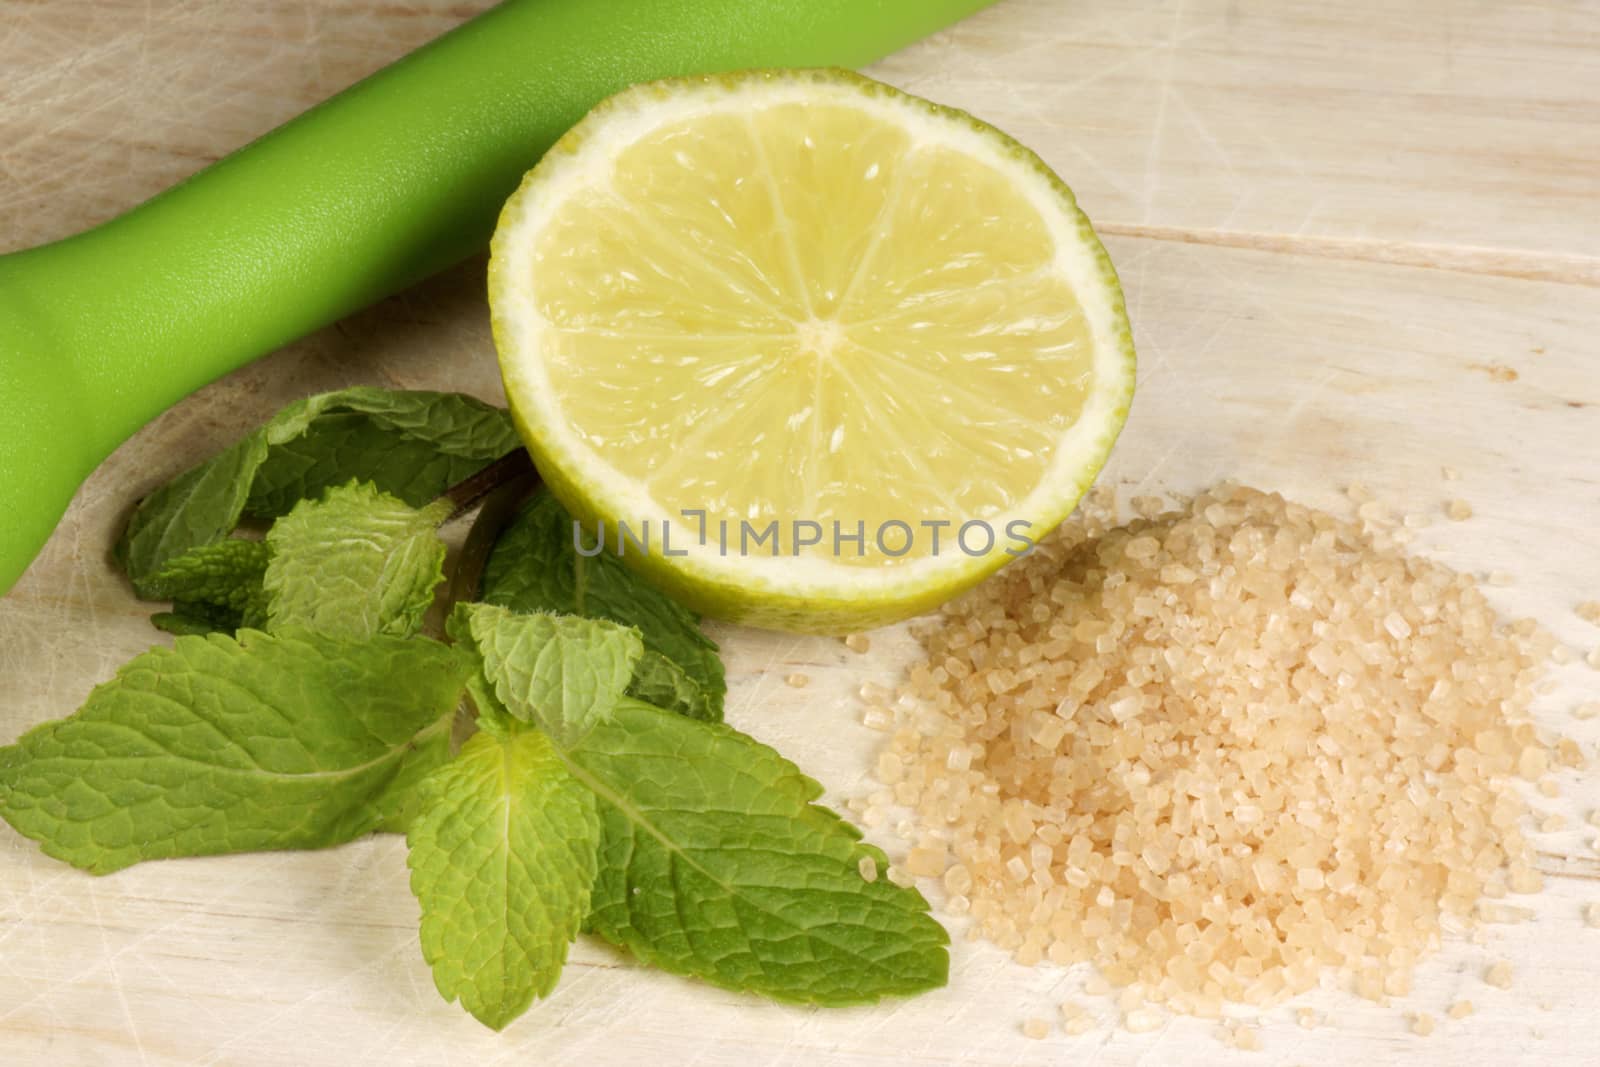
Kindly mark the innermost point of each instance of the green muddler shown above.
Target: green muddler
(392, 180)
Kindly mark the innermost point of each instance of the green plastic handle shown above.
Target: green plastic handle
(390, 181)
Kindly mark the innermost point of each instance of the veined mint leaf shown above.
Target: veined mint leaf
(412, 445)
(220, 745)
(659, 681)
(561, 673)
(213, 587)
(714, 862)
(357, 562)
(492, 714)
(503, 856)
(535, 567)
(204, 503)
(199, 506)
(225, 573)
(195, 617)
(656, 679)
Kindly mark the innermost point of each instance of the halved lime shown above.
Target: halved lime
(834, 351)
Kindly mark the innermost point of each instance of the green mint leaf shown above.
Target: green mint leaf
(561, 673)
(714, 862)
(195, 617)
(535, 567)
(191, 620)
(199, 506)
(503, 856)
(658, 680)
(357, 562)
(342, 446)
(413, 445)
(217, 585)
(220, 745)
(205, 503)
(492, 714)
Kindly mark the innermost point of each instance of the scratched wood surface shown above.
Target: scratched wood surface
(1359, 241)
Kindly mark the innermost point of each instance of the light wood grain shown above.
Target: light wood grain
(1339, 231)
(1429, 122)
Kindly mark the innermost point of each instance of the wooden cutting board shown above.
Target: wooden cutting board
(1360, 241)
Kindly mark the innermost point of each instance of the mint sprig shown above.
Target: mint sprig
(714, 860)
(219, 745)
(503, 858)
(599, 792)
(304, 450)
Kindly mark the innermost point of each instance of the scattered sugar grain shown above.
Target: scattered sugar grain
(1591, 915)
(1593, 658)
(1246, 1039)
(1458, 510)
(1079, 1026)
(1498, 974)
(926, 862)
(858, 643)
(1141, 1021)
(1397, 983)
(1588, 710)
(873, 693)
(1523, 879)
(1307, 1018)
(1421, 1023)
(868, 868)
(1460, 1009)
(1589, 611)
(1493, 911)
(880, 719)
(1449, 474)
(798, 681)
(1036, 1028)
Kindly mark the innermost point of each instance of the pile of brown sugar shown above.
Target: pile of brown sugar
(1219, 749)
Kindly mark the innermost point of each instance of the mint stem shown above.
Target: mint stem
(500, 503)
(508, 468)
